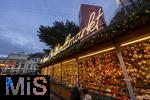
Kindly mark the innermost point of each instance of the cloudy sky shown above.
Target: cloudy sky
(20, 20)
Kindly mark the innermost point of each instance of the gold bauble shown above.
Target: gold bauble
(147, 48)
(134, 69)
(144, 62)
(132, 48)
(134, 52)
(135, 55)
(140, 56)
(143, 73)
(148, 76)
(139, 63)
(146, 69)
(132, 59)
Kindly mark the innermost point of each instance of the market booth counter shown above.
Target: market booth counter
(112, 64)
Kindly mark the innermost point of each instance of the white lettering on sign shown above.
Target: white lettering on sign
(93, 25)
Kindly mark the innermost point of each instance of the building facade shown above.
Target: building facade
(85, 12)
(19, 64)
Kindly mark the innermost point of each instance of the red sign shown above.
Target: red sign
(11, 63)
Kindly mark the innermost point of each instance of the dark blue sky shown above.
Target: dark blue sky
(20, 20)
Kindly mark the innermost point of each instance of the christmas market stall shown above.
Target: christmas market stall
(113, 62)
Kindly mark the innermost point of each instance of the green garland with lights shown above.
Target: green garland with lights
(138, 18)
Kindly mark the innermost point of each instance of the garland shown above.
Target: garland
(138, 18)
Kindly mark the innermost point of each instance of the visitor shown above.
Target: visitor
(86, 95)
(75, 94)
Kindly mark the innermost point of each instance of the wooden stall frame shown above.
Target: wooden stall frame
(125, 73)
(116, 46)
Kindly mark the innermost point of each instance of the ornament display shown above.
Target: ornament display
(101, 72)
(57, 72)
(42, 71)
(50, 71)
(138, 66)
(69, 73)
(45, 71)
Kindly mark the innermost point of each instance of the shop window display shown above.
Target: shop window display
(50, 71)
(42, 71)
(45, 71)
(137, 60)
(102, 73)
(57, 72)
(69, 73)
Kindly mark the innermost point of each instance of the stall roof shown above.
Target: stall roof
(137, 19)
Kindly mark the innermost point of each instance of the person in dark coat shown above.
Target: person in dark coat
(75, 94)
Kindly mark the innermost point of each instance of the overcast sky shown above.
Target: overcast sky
(20, 20)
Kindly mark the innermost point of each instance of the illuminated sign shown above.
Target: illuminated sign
(93, 25)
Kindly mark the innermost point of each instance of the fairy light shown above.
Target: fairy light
(135, 41)
(105, 50)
